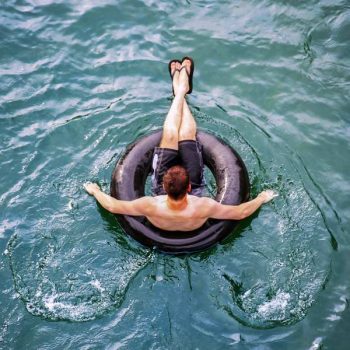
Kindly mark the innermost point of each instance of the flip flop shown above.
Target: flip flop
(169, 67)
(190, 75)
(172, 75)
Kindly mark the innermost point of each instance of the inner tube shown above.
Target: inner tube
(128, 183)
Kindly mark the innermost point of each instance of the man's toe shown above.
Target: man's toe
(187, 63)
(172, 68)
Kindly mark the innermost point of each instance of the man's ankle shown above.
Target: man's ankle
(181, 93)
(181, 90)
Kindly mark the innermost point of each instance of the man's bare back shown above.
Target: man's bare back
(187, 217)
(186, 214)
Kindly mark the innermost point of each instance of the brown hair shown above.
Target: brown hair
(176, 181)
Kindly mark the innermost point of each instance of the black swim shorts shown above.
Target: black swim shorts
(189, 156)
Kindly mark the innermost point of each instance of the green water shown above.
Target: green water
(80, 80)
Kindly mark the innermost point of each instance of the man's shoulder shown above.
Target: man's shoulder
(202, 206)
(201, 202)
(200, 199)
(157, 199)
(144, 202)
(153, 202)
(149, 199)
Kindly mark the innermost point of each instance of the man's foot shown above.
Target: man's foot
(175, 66)
(186, 70)
(188, 64)
(174, 70)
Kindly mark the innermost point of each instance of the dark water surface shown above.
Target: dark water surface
(80, 80)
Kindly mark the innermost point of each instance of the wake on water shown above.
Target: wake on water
(266, 274)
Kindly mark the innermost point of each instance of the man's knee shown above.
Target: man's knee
(170, 138)
(187, 134)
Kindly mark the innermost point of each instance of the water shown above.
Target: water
(80, 81)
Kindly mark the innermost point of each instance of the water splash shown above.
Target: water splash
(60, 278)
(271, 272)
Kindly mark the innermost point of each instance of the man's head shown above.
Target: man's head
(176, 182)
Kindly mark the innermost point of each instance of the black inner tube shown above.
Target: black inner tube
(128, 183)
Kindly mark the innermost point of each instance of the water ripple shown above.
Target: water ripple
(82, 80)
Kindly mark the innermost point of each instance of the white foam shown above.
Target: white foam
(70, 205)
(76, 312)
(247, 294)
(316, 344)
(236, 337)
(340, 307)
(276, 305)
(49, 302)
(333, 318)
(97, 285)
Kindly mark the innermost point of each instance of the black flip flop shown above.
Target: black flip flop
(190, 76)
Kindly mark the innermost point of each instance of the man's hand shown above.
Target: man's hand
(91, 188)
(267, 195)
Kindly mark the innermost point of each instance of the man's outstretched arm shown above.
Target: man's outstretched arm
(138, 207)
(238, 212)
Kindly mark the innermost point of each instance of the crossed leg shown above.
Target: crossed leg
(178, 141)
(179, 124)
(188, 127)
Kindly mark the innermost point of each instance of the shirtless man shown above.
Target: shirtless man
(176, 205)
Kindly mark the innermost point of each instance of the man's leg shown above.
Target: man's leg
(171, 127)
(166, 155)
(188, 127)
(190, 151)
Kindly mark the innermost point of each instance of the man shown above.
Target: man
(177, 205)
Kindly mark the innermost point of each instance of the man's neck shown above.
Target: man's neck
(177, 205)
